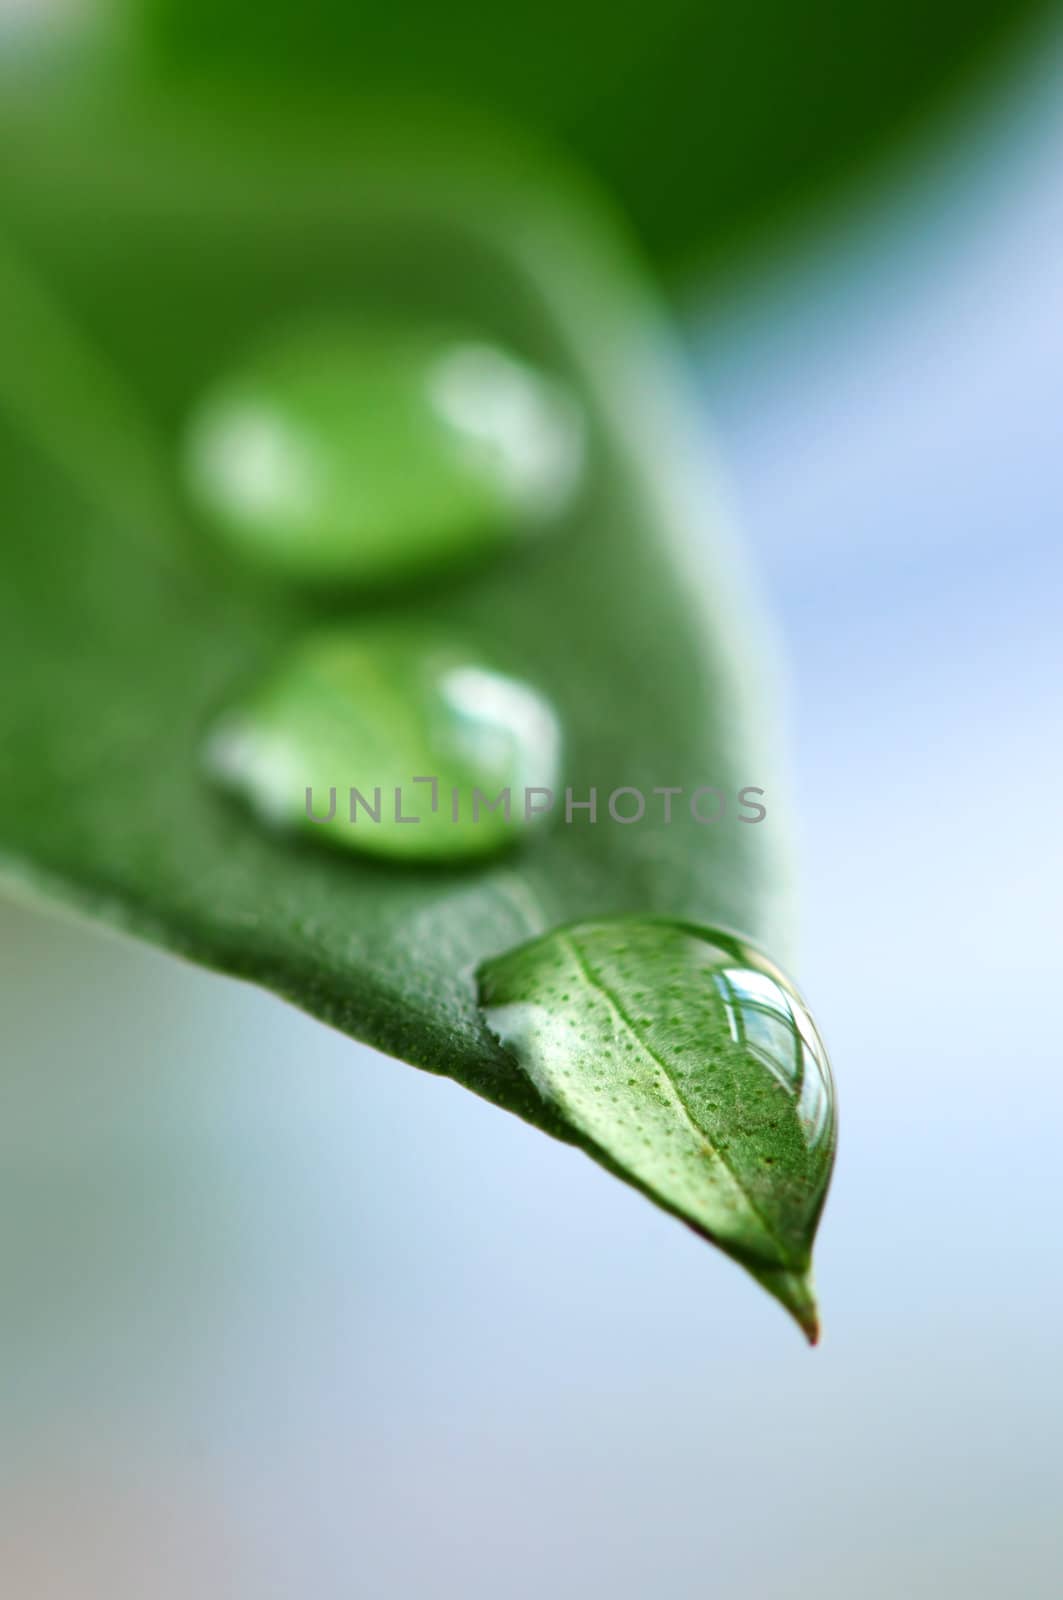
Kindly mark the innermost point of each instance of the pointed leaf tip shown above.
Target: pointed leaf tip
(795, 1292)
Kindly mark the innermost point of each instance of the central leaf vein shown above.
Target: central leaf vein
(595, 981)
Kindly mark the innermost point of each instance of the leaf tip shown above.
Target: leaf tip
(795, 1292)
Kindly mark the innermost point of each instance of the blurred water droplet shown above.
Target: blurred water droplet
(364, 455)
(403, 721)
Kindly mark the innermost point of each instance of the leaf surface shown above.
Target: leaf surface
(134, 270)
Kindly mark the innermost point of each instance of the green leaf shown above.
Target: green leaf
(139, 266)
(705, 119)
(696, 1071)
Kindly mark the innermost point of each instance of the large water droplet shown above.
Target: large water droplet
(425, 734)
(362, 455)
(720, 1102)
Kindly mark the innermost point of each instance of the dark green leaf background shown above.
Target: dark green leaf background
(704, 119)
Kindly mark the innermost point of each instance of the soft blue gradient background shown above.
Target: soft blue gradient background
(282, 1318)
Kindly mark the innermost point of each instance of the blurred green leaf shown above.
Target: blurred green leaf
(703, 118)
(143, 262)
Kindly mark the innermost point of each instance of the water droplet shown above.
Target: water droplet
(729, 1096)
(380, 740)
(362, 455)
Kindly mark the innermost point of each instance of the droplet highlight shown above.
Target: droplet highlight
(364, 455)
(690, 1062)
(378, 740)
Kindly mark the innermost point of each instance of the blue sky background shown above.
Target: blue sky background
(282, 1318)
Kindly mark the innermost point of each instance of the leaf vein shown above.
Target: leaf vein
(597, 982)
